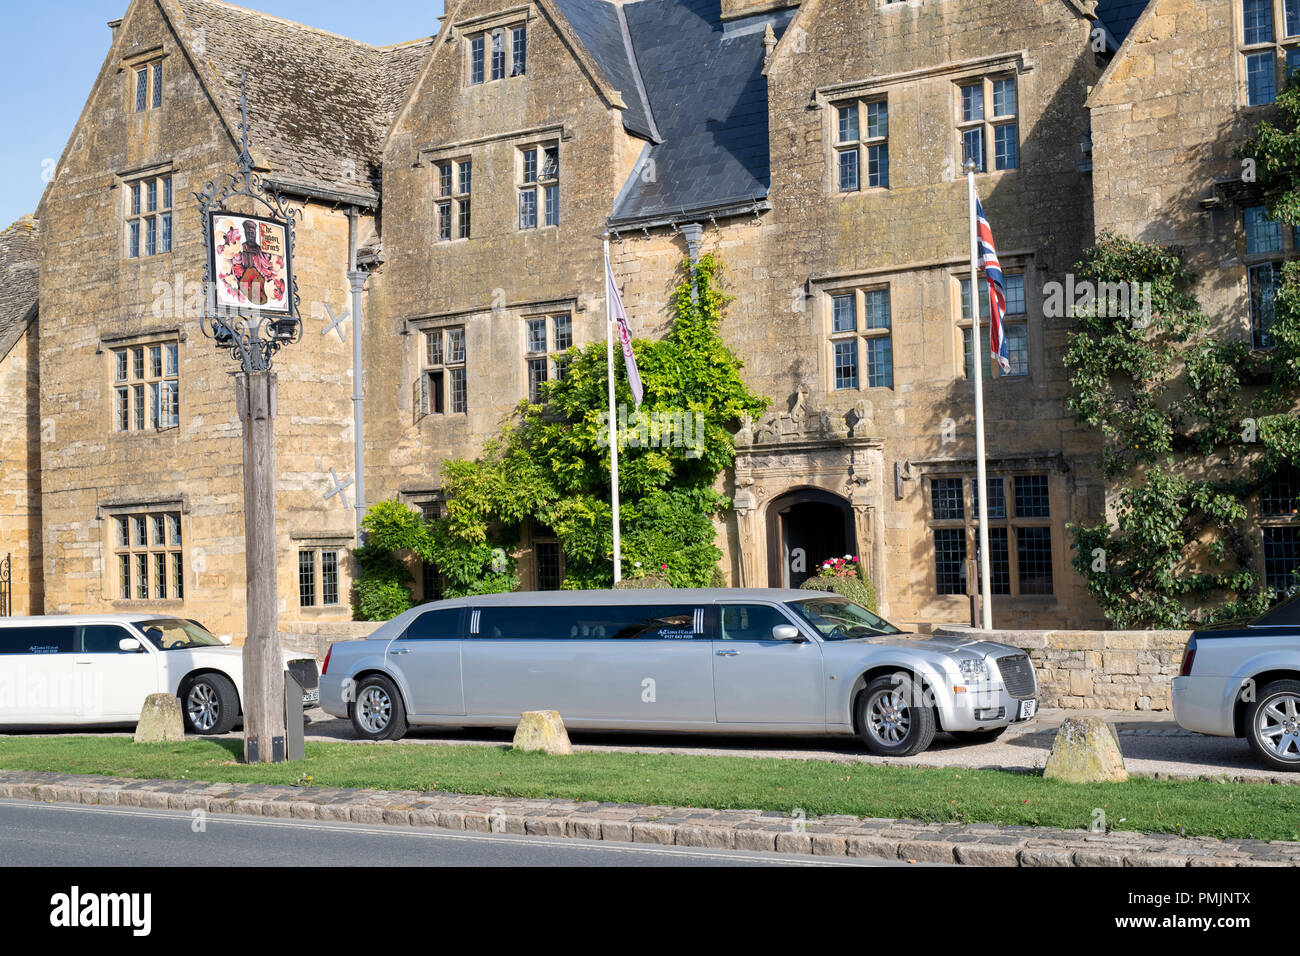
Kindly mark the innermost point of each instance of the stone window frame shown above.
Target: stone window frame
(537, 177)
(540, 536)
(1013, 322)
(1259, 260)
(146, 66)
(481, 50)
(859, 145)
(148, 213)
(1284, 48)
(442, 386)
(172, 549)
(860, 335)
(453, 188)
(139, 370)
(1010, 522)
(550, 359)
(1277, 520)
(987, 123)
(314, 575)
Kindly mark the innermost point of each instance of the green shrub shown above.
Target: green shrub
(858, 590)
(382, 589)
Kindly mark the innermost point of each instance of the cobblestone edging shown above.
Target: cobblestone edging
(977, 844)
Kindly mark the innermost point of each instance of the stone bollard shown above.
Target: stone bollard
(542, 730)
(1086, 750)
(160, 720)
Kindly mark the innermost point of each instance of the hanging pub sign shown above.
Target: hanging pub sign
(251, 263)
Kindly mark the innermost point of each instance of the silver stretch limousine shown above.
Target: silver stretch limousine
(714, 660)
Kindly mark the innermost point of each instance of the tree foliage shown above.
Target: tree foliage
(550, 465)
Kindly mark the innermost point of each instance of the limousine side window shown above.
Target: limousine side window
(103, 639)
(678, 622)
(443, 625)
(37, 640)
(749, 622)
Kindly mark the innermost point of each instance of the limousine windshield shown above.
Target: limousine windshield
(839, 619)
(173, 634)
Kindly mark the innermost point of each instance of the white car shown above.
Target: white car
(99, 668)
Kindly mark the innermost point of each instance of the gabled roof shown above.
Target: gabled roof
(319, 104)
(603, 30)
(19, 279)
(706, 90)
(1120, 15)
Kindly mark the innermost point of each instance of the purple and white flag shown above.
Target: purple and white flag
(624, 334)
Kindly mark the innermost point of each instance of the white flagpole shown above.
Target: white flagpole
(613, 420)
(977, 345)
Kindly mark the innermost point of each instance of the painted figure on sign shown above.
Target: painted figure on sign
(252, 267)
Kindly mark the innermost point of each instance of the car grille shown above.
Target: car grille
(1017, 675)
(305, 673)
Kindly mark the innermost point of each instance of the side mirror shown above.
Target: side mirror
(787, 632)
(226, 639)
(130, 645)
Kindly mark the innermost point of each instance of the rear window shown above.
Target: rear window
(638, 622)
(1285, 614)
(37, 640)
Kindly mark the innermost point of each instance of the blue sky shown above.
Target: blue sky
(43, 85)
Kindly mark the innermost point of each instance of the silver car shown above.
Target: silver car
(1244, 681)
(712, 660)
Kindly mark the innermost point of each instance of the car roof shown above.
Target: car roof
(629, 596)
(67, 619)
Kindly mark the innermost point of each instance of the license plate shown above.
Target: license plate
(311, 696)
(1027, 709)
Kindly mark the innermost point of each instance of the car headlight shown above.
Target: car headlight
(973, 671)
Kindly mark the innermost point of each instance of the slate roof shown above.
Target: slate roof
(1120, 15)
(708, 95)
(19, 275)
(602, 29)
(319, 104)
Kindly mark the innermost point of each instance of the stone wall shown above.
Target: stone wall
(1078, 670)
(315, 637)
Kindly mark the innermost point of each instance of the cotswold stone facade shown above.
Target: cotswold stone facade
(815, 147)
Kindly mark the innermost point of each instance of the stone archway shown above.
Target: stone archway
(805, 527)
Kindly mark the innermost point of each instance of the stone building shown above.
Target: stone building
(1182, 94)
(815, 147)
(20, 477)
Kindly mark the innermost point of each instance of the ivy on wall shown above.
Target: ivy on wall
(550, 467)
(1192, 426)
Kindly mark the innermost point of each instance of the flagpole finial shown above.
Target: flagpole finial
(968, 166)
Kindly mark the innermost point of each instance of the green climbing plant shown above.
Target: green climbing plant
(550, 466)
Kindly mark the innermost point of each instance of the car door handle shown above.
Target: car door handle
(727, 653)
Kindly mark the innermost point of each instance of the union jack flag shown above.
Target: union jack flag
(988, 258)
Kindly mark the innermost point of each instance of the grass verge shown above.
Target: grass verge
(1194, 808)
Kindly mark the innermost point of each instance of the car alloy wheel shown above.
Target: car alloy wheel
(203, 706)
(888, 717)
(374, 709)
(1277, 724)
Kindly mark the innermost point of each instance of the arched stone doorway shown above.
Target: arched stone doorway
(804, 528)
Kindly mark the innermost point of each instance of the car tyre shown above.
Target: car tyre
(1273, 725)
(209, 704)
(894, 718)
(378, 712)
(979, 736)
